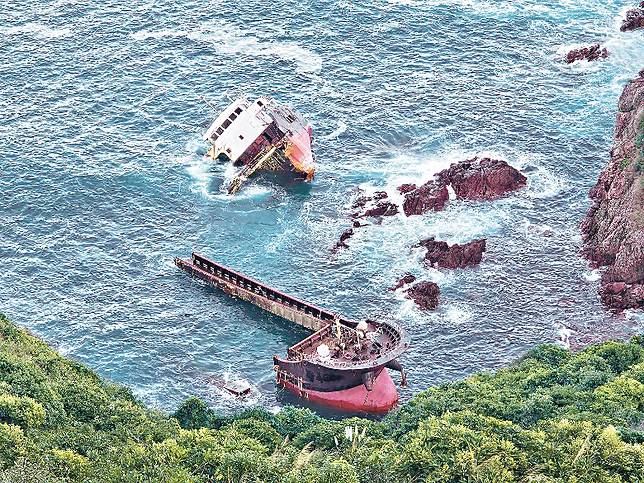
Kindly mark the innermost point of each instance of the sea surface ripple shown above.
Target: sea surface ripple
(103, 178)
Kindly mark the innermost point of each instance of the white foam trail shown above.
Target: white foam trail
(542, 183)
(39, 30)
(229, 39)
(458, 315)
(341, 128)
(201, 178)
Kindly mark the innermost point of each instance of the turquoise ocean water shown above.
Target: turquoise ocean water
(103, 178)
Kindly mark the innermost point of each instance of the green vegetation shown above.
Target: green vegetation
(554, 416)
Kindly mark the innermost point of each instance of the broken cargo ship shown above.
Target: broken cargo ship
(261, 136)
(343, 364)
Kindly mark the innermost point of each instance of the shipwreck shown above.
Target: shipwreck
(342, 364)
(263, 135)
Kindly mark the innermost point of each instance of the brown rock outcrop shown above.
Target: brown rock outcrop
(362, 201)
(482, 178)
(594, 52)
(382, 208)
(375, 205)
(432, 196)
(613, 231)
(406, 188)
(440, 254)
(425, 294)
(342, 243)
(634, 19)
(404, 280)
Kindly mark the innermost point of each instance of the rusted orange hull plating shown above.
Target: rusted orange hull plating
(382, 398)
(298, 151)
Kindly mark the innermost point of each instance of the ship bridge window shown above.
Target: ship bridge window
(226, 123)
(238, 110)
(220, 130)
(233, 116)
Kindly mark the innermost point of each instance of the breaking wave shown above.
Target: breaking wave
(38, 30)
(228, 39)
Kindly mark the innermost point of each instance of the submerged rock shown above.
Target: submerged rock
(346, 234)
(425, 294)
(613, 230)
(482, 178)
(406, 188)
(382, 208)
(375, 205)
(594, 52)
(404, 280)
(362, 201)
(634, 19)
(432, 196)
(440, 254)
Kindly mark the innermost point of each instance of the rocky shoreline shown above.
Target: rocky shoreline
(613, 231)
(473, 179)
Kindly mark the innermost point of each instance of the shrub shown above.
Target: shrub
(24, 470)
(258, 430)
(67, 464)
(292, 421)
(194, 413)
(12, 444)
(22, 411)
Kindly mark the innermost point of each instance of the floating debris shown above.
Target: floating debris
(237, 388)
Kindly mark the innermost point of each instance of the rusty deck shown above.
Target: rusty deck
(246, 288)
(390, 343)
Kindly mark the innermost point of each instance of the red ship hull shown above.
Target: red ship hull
(382, 398)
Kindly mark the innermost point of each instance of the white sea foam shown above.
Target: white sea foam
(564, 334)
(201, 172)
(457, 315)
(36, 29)
(201, 177)
(229, 39)
(341, 128)
(593, 275)
(635, 315)
(543, 183)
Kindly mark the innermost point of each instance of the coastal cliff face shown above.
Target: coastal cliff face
(613, 230)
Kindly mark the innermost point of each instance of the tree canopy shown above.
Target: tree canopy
(553, 416)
